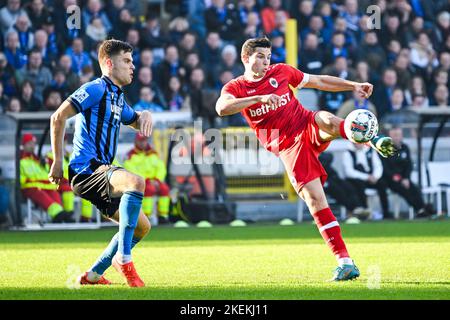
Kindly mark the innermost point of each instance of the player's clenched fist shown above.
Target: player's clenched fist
(364, 90)
(271, 99)
(56, 173)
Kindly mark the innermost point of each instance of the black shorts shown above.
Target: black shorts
(95, 188)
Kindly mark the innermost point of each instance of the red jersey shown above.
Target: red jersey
(275, 127)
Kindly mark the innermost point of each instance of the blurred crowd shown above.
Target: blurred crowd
(186, 50)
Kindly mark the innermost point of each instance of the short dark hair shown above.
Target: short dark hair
(249, 46)
(112, 47)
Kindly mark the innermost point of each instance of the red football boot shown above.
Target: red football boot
(129, 272)
(83, 279)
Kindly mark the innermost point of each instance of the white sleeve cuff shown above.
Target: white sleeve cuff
(304, 81)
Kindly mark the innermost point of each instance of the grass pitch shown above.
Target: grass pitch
(397, 260)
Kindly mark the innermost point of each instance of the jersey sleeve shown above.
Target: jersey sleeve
(128, 115)
(296, 78)
(87, 96)
(231, 88)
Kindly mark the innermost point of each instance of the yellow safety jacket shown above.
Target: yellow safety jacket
(33, 174)
(146, 163)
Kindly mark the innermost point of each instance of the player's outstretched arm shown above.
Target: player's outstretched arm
(57, 126)
(227, 104)
(143, 123)
(335, 84)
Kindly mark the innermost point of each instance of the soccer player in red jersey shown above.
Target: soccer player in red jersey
(264, 96)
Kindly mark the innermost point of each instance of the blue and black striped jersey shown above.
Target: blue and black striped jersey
(101, 108)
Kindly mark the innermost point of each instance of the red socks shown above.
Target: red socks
(342, 131)
(331, 232)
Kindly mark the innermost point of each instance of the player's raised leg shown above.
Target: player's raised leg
(332, 127)
(314, 196)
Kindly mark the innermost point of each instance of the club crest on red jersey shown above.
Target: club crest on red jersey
(273, 82)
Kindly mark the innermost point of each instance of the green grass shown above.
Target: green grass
(397, 260)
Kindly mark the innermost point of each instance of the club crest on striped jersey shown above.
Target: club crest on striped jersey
(273, 82)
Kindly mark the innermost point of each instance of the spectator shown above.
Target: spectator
(444, 61)
(228, 62)
(54, 43)
(381, 97)
(175, 98)
(223, 19)
(303, 10)
(153, 37)
(404, 70)
(125, 23)
(177, 28)
(146, 102)
(423, 55)
(146, 60)
(278, 47)
(35, 185)
(416, 87)
(419, 101)
(245, 8)
(23, 28)
(416, 26)
(397, 175)
(49, 53)
(145, 78)
(95, 32)
(442, 30)
(9, 14)
(340, 26)
(59, 83)
(192, 62)
(311, 55)
(212, 51)
(15, 57)
(7, 77)
(397, 100)
(79, 57)
(268, 15)
(197, 98)
(113, 11)
(52, 99)
(72, 79)
(94, 9)
(38, 13)
(14, 105)
(440, 97)
(252, 29)
(350, 14)
(393, 51)
(133, 38)
(28, 102)
(440, 77)
(34, 71)
(316, 26)
(371, 51)
(357, 102)
(188, 44)
(392, 31)
(363, 169)
(337, 49)
(170, 66)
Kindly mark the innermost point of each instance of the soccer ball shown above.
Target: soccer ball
(361, 126)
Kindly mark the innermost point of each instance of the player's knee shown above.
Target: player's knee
(315, 202)
(137, 183)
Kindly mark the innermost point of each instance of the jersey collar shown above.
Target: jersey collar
(111, 83)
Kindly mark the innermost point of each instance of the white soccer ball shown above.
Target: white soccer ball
(361, 126)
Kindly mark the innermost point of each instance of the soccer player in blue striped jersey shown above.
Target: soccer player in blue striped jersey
(100, 109)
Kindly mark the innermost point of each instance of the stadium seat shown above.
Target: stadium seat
(439, 182)
(34, 212)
